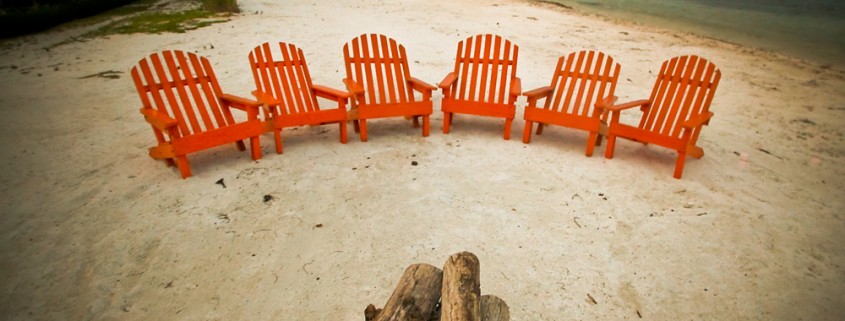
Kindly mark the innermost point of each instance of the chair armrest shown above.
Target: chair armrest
(448, 80)
(698, 120)
(330, 93)
(239, 102)
(516, 86)
(632, 104)
(535, 94)
(606, 102)
(265, 98)
(353, 87)
(158, 119)
(420, 85)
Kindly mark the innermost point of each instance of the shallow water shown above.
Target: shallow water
(808, 29)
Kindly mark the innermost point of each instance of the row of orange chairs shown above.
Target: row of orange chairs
(182, 100)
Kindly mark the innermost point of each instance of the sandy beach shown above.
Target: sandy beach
(92, 228)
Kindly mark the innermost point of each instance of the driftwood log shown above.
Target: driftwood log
(494, 308)
(415, 297)
(461, 294)
(425, 293)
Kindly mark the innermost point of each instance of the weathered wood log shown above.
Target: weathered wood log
(415, 297)
(461, 294)
(494, 308)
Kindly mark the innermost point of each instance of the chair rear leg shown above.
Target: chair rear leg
(526, 132)
(240, 145)
(508, 123)
(540, 128)
(356, 125)
(447, 121)
(362, 123)
(416, 121)
(679, 165)
(426, 126)
(182, 164)
(170, 162)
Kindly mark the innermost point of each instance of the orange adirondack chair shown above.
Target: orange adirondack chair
(676, 111)
(580, 80)
(484, 82)
(378, 77)
(182, 101)
(284, 85)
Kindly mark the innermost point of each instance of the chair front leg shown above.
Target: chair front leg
(362, 123)
(592, 143)
(255, 147)
(182, 164)
(526, 132)
(611, 137)
(277, 136)
(508, 123)
(343, 132)
(679, 165)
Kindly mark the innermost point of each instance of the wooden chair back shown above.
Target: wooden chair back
(285, 77)
(685, 87)
(582, 79)
(485, 66)
(183, 86)
(379, 64)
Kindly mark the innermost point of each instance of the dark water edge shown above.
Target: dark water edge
(812, 30)
(24, 17)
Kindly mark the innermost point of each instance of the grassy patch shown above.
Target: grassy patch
(221, 5)
(159, 22)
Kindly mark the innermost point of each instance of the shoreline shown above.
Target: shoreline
(765, 30)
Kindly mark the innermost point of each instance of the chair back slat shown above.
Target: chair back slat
(684, 87)
(581, 79)
(183, 86)
(286, 77)
(485, 66)
(379, 64)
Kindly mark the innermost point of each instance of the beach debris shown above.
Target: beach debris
(575, 219)
(769, 153)
(591, 300)
(108, 74)
(414, 163)
(267, 198)
(319, 225)
(555, 3)
(639, 315)
(220, 182)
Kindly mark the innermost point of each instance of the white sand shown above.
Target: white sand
(94, 229)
